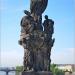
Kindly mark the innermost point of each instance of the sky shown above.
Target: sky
(11, 13)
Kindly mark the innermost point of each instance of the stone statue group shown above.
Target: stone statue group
(36, 37)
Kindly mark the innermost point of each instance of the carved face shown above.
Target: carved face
(26, 23)
(35, 18)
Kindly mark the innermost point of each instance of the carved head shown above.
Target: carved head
(46, 17)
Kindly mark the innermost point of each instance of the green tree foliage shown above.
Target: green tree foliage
(55, 70)
(19, 69)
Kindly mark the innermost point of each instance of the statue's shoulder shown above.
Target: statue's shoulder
(51, 21)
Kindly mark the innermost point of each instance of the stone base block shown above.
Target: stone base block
(36, 73)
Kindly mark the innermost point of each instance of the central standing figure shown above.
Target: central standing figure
(37, 7)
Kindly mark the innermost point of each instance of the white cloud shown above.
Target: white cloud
(65, 56)
(11, 58)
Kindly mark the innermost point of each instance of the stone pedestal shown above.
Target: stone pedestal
(36, 73)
